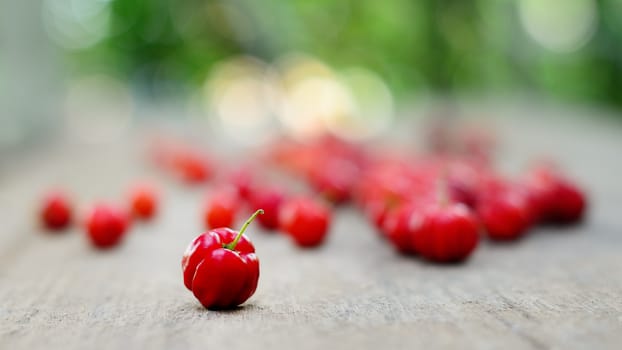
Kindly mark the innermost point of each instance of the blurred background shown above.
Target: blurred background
(98, 67)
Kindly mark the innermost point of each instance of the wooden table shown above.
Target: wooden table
(557, 288)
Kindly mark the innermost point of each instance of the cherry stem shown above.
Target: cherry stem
(231, 246)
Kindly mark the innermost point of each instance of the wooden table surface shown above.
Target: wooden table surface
(557, 288)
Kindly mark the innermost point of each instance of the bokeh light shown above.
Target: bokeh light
(76, 24)
(242, 94)
(312, 95)
(559, 25)
(373, 111)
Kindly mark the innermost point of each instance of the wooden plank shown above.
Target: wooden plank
(554, 289)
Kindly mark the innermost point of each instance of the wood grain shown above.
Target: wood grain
(558, 288)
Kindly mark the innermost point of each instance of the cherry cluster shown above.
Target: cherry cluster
(437, 205)
(105, 224)
(305, 219)
(243, 189)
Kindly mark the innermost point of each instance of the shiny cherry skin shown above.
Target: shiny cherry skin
(505, 216)
(106, 225)
(56, 211)
(270, 199)
(222, 208)
(143, 202)
(220, 267)
(305, 220)
(445, 232)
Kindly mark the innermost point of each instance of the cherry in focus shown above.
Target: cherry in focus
(220, 267)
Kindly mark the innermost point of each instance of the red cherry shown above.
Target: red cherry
(506, 216)
(334, 179)
(220, 267)
(539, 197)
(569, 204)
(397, 227)
(445, 233)
(463, 182)
(305, 220)
(143, 202)
(377, 205)
(106, 225)
(222, 208)
(193, 167)
(460, 192)
(243, 180)
(56, 212)
(559, 200)
(270, 200)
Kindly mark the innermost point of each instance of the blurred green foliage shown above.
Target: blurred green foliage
(442, 46)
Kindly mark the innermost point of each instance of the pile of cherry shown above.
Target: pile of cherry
(305, 218)
(105, 223)
(435, 206)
